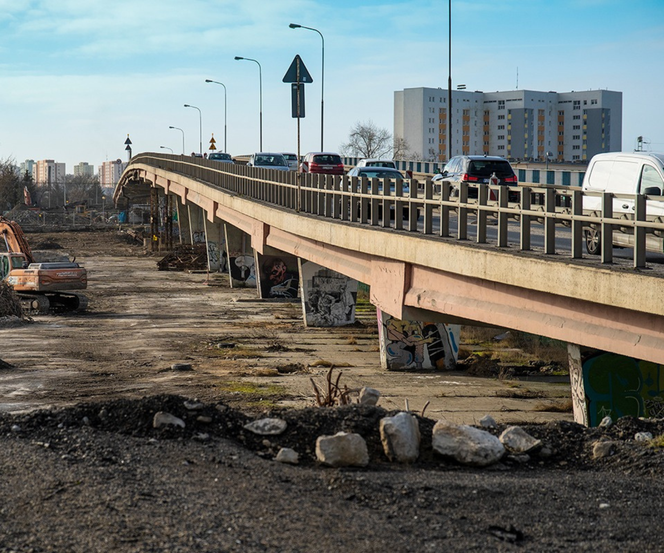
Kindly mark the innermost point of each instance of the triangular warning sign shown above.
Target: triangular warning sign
(297, 72)
(212, 143)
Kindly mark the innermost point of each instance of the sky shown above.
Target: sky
(79, 76)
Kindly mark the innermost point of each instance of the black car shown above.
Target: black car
(477, 170)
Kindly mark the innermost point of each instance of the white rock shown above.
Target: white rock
(643, 436)
(466, 444)
(400, 436)
(518, 441)
(341, 450)
(606, 422)
(487, 421)
(369, 396)
(288, 455)
(193, 405)
(162, 419)
(266, 427)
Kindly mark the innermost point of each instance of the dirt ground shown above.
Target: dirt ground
(84, 469)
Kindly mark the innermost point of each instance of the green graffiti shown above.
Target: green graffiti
(619, 386)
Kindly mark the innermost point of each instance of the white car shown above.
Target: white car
(291, 160)
(373, 162)
(267, 160)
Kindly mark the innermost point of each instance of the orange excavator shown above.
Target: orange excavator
(42, 287)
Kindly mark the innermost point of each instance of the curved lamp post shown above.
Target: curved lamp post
(179, 129)
(200, 128)
(225, 111)
(260, 83)
(167, 148)
(322, 79)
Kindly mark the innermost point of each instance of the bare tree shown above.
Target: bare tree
(367, 140)
(401, 149)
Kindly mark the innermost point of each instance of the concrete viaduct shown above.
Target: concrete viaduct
(424, 270)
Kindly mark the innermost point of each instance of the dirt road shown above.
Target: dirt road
(141, 321)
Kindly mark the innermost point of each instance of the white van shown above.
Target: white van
(625, 175)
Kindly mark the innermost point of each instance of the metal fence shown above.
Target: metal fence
(505, 217)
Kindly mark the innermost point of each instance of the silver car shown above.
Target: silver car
(267, 160)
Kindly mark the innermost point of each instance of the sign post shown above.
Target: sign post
(297, 75)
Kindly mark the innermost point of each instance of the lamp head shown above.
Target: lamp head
(187, 106)
(209, 80)
(239, 58)
(294, 26)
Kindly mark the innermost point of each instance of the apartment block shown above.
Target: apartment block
(84, 169)
(47, 172)
(27, 166)
(110, 172)
(519, 125)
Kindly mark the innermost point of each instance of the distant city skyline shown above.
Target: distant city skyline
(77, 77)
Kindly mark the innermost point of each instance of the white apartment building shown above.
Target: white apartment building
(47, 172)
(84, 169)
(110, 172)
(519, 124)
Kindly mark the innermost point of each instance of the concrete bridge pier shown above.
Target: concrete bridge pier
(196, 224)
(328, 297)
(278, 274)
(607, 384)
(216, 245)
(240, 258)
(417, 344)
(184, 227)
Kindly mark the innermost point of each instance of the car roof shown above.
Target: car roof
(323, 154)
(493, 158)
(268, 154)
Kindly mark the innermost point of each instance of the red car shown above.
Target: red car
(322, 162)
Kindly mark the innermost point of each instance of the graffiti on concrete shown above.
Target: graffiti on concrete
(277, 279)
(329, 297)
(619, 386)
(198, 236)
(576, 381)
(417, 344)
(243, 270)
(214, 257)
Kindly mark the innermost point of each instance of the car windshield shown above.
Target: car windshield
(327, 159)
(271, 161)
(220, 156)
(485, 168)
(379, 173)
(290, 157)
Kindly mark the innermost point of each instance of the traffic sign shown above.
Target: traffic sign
(212, 143)
(297, 72)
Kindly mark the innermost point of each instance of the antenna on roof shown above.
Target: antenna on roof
(517, 78)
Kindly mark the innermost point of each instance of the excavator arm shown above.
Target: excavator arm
(14, 239)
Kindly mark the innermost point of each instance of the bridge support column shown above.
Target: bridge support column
(216, 246)
(417, 344)
(196, 224)
(607, 384)
(328, 297)
(240, 257)
(278, 274)
(182, 212)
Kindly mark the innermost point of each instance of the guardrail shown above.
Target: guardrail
(426, 208)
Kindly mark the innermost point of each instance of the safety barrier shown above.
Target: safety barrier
(427, 208)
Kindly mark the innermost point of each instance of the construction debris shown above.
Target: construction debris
(185, 257)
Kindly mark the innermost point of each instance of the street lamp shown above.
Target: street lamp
(322, 79)
(200, 128)
(260, 83)
(225, 112)
(167, 148)
(179, 129)
(449, 85)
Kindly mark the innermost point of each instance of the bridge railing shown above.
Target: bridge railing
(498, 215)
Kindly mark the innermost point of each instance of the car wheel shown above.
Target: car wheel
(593, 241)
